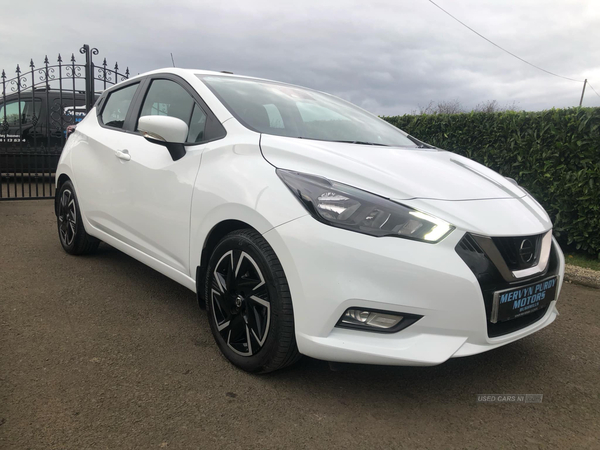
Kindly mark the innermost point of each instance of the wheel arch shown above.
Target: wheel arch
(59, 182)
(214, 236)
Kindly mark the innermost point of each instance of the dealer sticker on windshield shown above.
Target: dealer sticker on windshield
(516, 302)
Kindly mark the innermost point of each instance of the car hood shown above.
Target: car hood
(392, 172)
(449, 186)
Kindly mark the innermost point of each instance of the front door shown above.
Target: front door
(159, 190)
(147, 196)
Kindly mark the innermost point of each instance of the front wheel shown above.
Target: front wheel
(71, 232)
(249, 304)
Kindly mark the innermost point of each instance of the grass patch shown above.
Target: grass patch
(582, 260)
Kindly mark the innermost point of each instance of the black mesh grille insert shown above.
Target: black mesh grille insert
(468, 244)
(491, 281)
(520, 252)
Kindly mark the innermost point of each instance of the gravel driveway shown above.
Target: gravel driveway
(102, 352)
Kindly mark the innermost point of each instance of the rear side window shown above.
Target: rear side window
(116, 106)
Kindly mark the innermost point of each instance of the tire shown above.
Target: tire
(249, 304)
(71, 232)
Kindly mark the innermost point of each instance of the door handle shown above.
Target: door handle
(123, 154)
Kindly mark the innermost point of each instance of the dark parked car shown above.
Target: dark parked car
(33, 129)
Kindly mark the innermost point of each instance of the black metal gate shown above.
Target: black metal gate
(36, 107)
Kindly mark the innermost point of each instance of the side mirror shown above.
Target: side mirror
(164, 130)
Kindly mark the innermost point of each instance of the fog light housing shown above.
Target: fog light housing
(376, 320)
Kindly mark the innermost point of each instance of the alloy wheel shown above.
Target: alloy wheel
(240, 303)
(67, 217)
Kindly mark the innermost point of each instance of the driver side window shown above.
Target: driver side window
(167, 98)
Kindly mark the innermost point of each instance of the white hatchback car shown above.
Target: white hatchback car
(305, 224)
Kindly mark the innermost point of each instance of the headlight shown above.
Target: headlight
(353, 209)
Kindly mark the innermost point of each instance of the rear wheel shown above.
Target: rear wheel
(249, 304)
(71, 233)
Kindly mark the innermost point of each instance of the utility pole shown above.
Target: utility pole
(582, 92)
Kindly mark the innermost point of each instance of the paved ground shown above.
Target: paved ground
(103, 353)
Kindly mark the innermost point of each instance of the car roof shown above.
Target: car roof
(181, 71)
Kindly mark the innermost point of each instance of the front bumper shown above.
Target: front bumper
(330, 270)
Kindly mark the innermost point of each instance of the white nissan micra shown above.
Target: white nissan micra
(305, 224)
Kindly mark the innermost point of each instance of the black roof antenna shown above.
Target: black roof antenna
(172, 60)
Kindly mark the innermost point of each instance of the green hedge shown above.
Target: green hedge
(555, 154)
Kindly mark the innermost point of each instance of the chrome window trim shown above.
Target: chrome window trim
(487, 245)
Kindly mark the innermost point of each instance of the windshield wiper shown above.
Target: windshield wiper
(361, 142)
(418, 142)
(345, 142)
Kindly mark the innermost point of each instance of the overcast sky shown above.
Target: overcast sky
(389, 57)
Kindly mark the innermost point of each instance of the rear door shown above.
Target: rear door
(100, 173)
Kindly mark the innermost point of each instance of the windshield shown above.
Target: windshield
(285, 110)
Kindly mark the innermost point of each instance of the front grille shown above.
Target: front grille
(490, 280)
(468, 244)
(520, 252)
